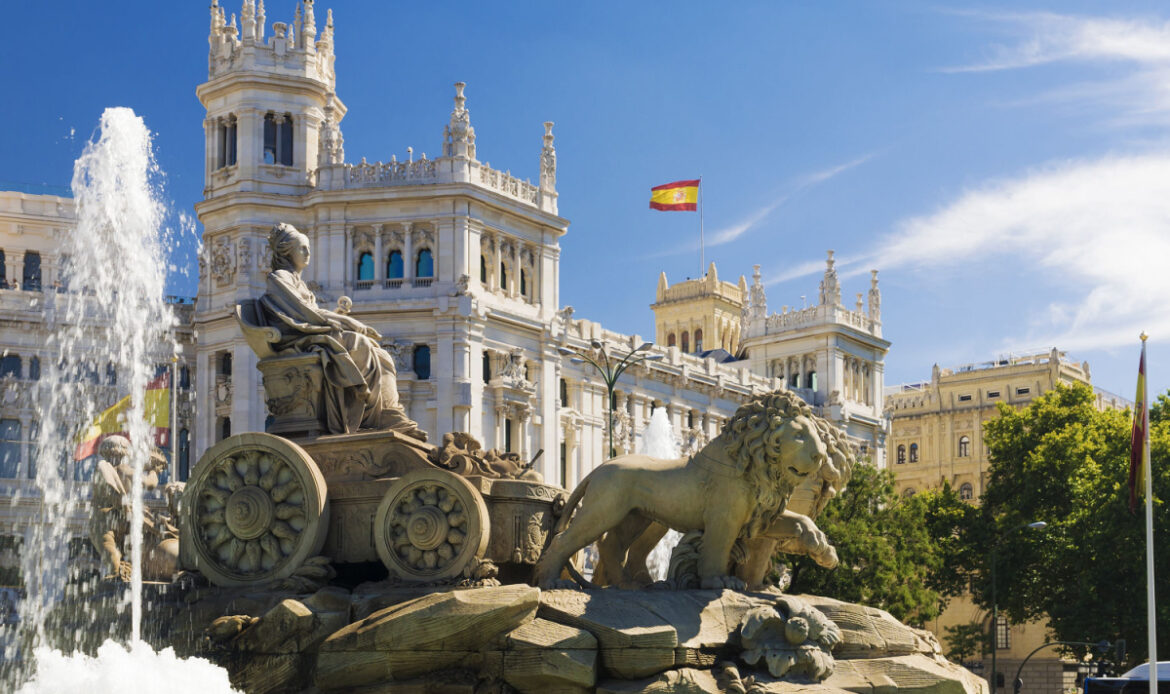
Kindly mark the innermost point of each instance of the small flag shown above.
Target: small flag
(675, 197)
(113, 421)
(1140, 438)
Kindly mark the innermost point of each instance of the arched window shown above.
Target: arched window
(699, 340)
(523, 282)
(34, 369)
(793, 380)
(908, 492)
(690, 419)
(10, 366)
(395, 268)
(670, 341)
(34, 451)
(184, 377)
(3, 272)
(225, 427)
(686, 342)
(424, 266)
(914, 453)
(964, 446)
(508, 435)
(32, 272)
(901, 454)
(278, 139)
(810, 381)
(111, 374)
(184, 454)
(422, 361)
(503, 276)
(564, 393)
(483, 269)
(487, 367)
(225, 363)
(365, 266)
(966, 491)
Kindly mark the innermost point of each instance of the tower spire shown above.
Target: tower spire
(260, 22)
(548, 161)
(458, 135)
(248, 21)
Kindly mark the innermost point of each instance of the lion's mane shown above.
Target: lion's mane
(751, 441)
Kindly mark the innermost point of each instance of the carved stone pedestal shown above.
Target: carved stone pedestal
(292, 390)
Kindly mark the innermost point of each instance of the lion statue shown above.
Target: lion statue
(737, 487)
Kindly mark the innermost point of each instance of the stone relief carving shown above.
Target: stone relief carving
(792, 639)
(402, 353)
(223, 260)
(245, 255)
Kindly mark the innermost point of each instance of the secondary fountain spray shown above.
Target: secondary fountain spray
(658, 442)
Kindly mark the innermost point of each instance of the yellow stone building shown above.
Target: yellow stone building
(936, 436)
(699, 314)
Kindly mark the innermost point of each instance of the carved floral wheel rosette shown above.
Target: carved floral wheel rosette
(430, 525)
(257, 510)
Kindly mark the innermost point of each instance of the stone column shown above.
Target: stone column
(350, 274)
(408, 252)
(379, 261)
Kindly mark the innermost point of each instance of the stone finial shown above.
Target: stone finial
(296, 28)
(332, 145)
(662, 285)
(860, 303)
(260, 21)
(757, 308)
(248, 20)
(548, 161)
(830, 287)
(309, 34)
(712, 275)
(458, 135)
(875, 297)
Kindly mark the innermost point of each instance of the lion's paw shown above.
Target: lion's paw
(723, 582)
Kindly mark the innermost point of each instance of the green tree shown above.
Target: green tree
(965, 641)
(894, 551)
(1062, 461)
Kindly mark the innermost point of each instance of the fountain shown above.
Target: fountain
(109, 328)
(341, 552)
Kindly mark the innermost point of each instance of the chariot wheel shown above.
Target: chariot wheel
(254, 510)
(430, 526)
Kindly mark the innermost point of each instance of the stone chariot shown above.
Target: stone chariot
(259, 506)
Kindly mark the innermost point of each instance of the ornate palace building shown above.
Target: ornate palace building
(31, 282)
(457, 264)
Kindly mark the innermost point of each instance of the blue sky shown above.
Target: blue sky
(1006, 166)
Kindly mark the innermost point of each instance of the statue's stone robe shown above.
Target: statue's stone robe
(360, 390)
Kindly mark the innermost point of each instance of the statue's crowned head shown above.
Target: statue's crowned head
(283, 238)
(114, 448)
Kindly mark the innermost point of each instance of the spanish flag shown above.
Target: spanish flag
(675, 197)
(1140, 439)
(113, 420)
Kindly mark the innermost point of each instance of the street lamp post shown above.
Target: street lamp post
(610, 369)
(994, 680)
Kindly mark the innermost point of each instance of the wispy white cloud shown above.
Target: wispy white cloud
(729, 233)
(1098, 230)
(1044, 37)
(1137, 93)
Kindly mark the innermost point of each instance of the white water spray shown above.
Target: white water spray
(658, 441)
(110, 326)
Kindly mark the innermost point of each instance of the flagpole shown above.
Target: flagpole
(173, 436)
(1151, 627)
(702, 250)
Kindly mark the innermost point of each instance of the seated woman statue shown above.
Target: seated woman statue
(360, 390)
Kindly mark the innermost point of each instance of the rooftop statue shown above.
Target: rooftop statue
(359, 385)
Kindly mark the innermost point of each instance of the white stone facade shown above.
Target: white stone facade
(456, 263)
(834, 357)
(31, 228)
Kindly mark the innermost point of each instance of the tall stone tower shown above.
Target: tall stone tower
(272, 114)
(701, 314)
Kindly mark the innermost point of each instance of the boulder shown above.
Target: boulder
(542, 656)
(437, 631)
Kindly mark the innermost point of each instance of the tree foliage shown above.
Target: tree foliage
(1062, 461)
(964, 641)
(895, 552)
